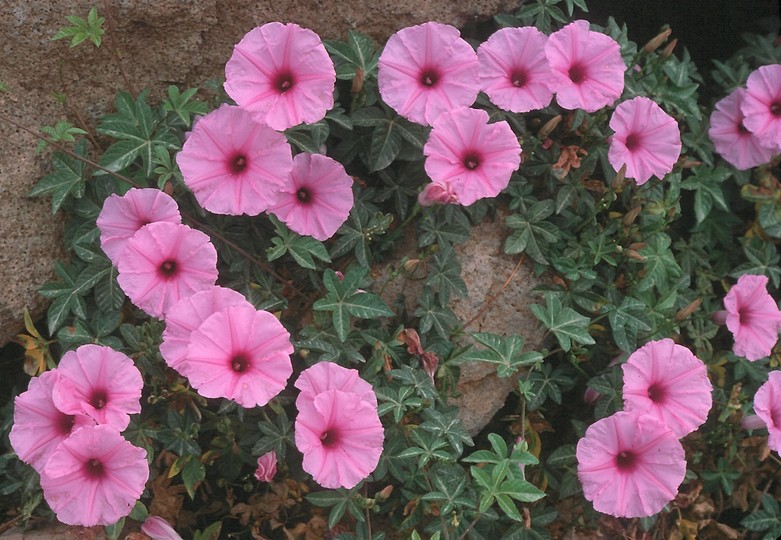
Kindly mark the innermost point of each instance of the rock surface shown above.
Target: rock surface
(159, 42)
(491, 307)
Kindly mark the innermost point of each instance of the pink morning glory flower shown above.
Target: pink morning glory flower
(188, 314)
(767, 405)
(267, 467)
(437, 192)
(165, 262)
(331, 376)
(282, 74)
(317, 197)
(121, 217)
(474, 157)
(753, 317)
(647, 140)
(732, 140)
(586, 67)
(100, 382)
(666, 380)
(630, 464)
(340, 436)
(426, 70)
(241, 354)
(39, 427)
(761, 106)
(233, 164)
(157, 528)
(94, 477)
(514, 70)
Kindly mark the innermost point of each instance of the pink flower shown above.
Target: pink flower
(233, 164)
(667, 381)
(752, 317)
(437, 192)
(767, 405)
(475, 158)
(587, 69)
(121, 217)
(647, 140)
(282, 74)
(165, 262)
(340, 435)
(630, 464)
(241, 354)
(100, 382)
(39, 427)
(762, 105)
(331, 376)
(188, 314)
(730, 137)
(514, 70)
(426, 70)
(338, 429)
(157, 528)
(94, 477)
(267, 467)
(317, 197)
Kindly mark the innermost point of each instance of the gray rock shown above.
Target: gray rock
(160, 42)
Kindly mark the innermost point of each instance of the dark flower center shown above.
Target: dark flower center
(742, 129)
(577, 73)
(168, 268)
(240, 363)
(429, 77)
(775, 108)
(238, 163)
(65, 423)
(94, 468)
(98, 399)
(471, 160)
(330, 438)
(304, 195)
(656, 393)
(518, 78)
(625, 460)
(284, 82)
(744, 317)
(632, 141)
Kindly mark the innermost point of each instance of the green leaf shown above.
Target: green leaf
(385, 146)
(67, 178)
(434, 315)
(192, 474)
(661, 270)
(566, 324)
(301, 248)
(182, 104)
(444, 274)
(626, 321)
(706, 184)
(83, 29)
(506, 352)
(61, 132)
(532, 233)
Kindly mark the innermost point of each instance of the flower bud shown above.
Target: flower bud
(267, 467)
(657, 41)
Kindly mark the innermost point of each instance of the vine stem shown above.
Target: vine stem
(493, 298)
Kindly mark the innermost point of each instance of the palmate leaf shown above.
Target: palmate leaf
(302, 248)
(706, 184)
(626, 321)
(506, 352)
(68, 294)
(390, 130)
(566, 324)
(444, 275)
(532, 233)
(66, 179)
(661, 269)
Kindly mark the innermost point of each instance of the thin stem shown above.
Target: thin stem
(109, 38)
(368, 514)
(471, 526)
(492, 299)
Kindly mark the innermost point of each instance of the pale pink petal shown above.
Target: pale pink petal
(100, 382)
(234, 164)
(331, 376)
(316, 198)
(267, 467)
(94, 477)
(761, 106)
(39, 427)
(474, 158)
(241, 354)
(630, 464)
(158, 529)
(767, 405)
(514, 70)
(426, 70)
(282, 75)
(753, 317)
(188, 314)
(647, 140)
(165, 262)
(666, 380)
(121, 217)
(341, 437)
(437, 192)
(586, 67)
(730, 137)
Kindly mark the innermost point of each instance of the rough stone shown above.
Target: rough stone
(157, 43)
(500, 292)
